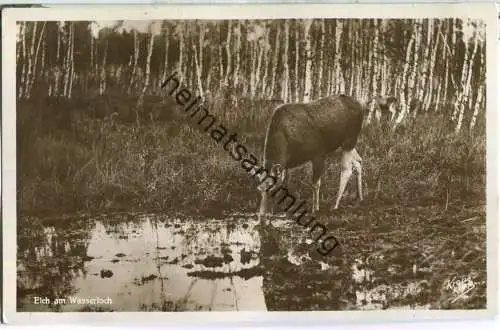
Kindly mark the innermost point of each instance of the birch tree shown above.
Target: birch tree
(31, 58)
(265, 59)
(297, 60)
(339, 75)
(374, 62)
(71, 59)
(135, 62)
(167, 48)
(431, 88)
(403, 85)
(321, 58)
(425, 87)
(479, 104)
(180, 30)
(229, 63)
(102, 82)
(285, 96)
(222, 78)
(274, 67)
(464, 92)
(147, 79)
(24, 59)
(414, 69)
(308, 57)
(198, 57)
(67, 64)
(238, 58)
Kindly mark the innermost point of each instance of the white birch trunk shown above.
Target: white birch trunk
(222, 78)
(136, 60)
(375, 63)
(477, 107)
(57, 68)
(464, 97)
(102, 85)
(42, 65)
(198, 57)
(165, 60)
(265, 60)
(261, 46)
(308, 55)
(285, 96)
(275, 62)
(339, 75)
(67, 64)
(402, 95)
(414, 71)
(253, 72)
(31, 57)
(383, 69)
(18, 45)
(238, 57)
(92, 42)
(321, 59)
(425, 88)
(375, 60)
(480, 93)
(24, 59)
(431, 85)
(71, 58)
(460, 91)
(147, 79)
(352, 37)
(180, 64)
(228, 53)
(443, 95)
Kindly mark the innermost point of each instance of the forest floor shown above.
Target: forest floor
(423, 217)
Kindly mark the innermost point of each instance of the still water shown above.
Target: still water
(141, 262)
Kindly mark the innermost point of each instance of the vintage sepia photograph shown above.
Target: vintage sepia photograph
(189, 162)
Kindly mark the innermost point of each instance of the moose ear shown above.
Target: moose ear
(385, 101)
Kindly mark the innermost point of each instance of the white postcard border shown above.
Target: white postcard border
(178, 12)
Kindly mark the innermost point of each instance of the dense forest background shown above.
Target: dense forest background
(433, 61)
(92, 114)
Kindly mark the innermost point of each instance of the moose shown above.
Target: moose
(385, 111)
(308, 132)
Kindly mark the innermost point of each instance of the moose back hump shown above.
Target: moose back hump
(302, 132)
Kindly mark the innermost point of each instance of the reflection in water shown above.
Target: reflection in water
(50, 257)
(145, 264)
(157, 263)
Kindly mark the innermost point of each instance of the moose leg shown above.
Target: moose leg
(345, 174)
(284, 177)
(358, 168)
(264, 193)
(263, 206)
(280, 174)
(318, 166)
